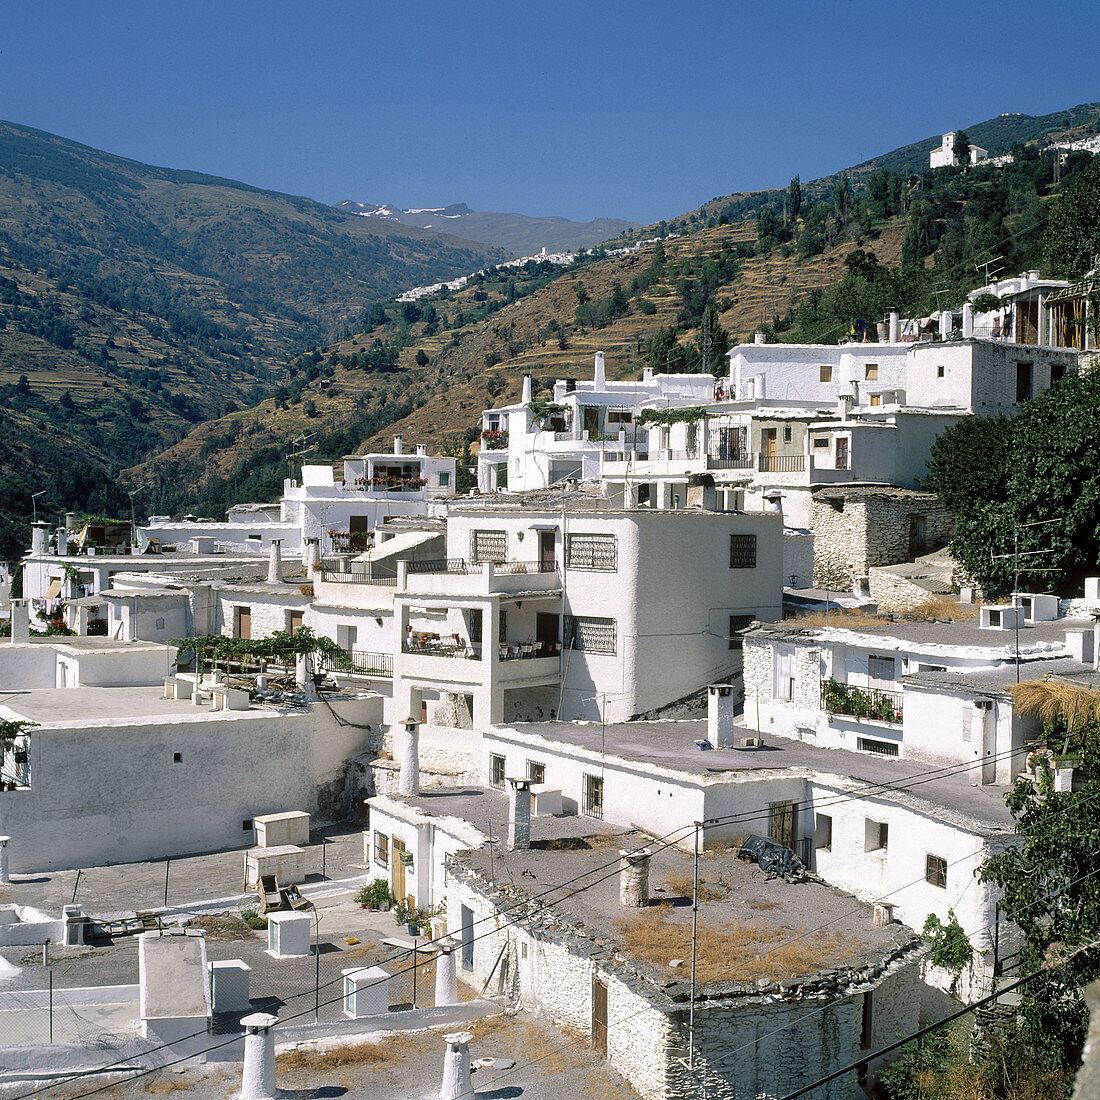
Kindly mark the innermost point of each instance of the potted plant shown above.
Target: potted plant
(364, 897)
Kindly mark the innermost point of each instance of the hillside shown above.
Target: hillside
(519, 234)
(153, 299)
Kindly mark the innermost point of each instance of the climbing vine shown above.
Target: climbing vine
(671, 416)
(10, 731)
(950, 947)
(280, 645)
(541, 408)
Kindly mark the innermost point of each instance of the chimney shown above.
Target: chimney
(408, 756)
(600, 380)
(968, 320)
(20, 621)
(40, 537)
(720, 715)
(647, 374)
(884, 912)
(70, 520)
(397, 445)
(258, 1076)
(446, 973)
(759, 387)
(457, 1083)
(422, 450)
(894, 326)
(634, 878)
(303, 667)
(313, 556)
(525, 397)
(519, 814)
(773, 501)
(5, 877)
(275, 562)
(945, 324)
(760, 338)
(62, 541)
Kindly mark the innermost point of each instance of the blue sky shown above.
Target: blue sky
(638, 110)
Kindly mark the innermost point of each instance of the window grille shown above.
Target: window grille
(593, 796)
(742, 551)
(381, 849)
(536, 772)
(490, 546)
(496, 770)
(600, 552)
(878, 748)
(589, 633)
(935, 871)
(737, 624)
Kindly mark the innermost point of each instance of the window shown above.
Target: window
(823, 833)
(496, 770)
(598, 552)
(381, 849)
(939, 371)
(1057, 372)
(177, 758)
(875, 400)
(784, 673)
(444, 478)
(787, 434)
(742, 551)
(293, 622)
(593, 796)
(935, 871)
(489, 546)
(619, 416)
(246, 825)
(503, 623)
(536, 772)
(821, 442)
(876, 835)
(1023, 381)
(876, 747)
(159, 625)
(737, 624)
(590, 633)
(867, 1023)
(870, 372)
(881, 674)
(826, 373)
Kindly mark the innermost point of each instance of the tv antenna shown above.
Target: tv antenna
(987, 264)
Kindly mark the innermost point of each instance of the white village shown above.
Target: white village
(682, 733)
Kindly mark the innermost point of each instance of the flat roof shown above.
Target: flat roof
(751, 927)
(998, 681)
(671, 745)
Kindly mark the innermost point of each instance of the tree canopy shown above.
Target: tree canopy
(1073, 232)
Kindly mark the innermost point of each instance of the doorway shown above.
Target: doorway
(781, 823)
(467, 916)
(599, 1015)
(397, 849)
(547, 562)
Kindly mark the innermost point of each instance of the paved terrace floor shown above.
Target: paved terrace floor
(672, 745)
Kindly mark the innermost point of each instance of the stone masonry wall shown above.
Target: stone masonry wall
(892, 592)
(871, 528)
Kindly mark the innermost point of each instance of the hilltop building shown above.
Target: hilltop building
(946, 155)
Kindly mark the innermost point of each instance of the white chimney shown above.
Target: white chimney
(446, 972)
(634, 878)
(720, 715)
(275, 562)
(759, 387)
(5, 877)
(258, 1077)
(773, 501)
(422, 450)
(62, 541)
(303, 676)
(519, 814)
(895, 326)
(40, 538)
(968, 320)
(760, 338)
(313, 556)
(647, 374)
(599, 378)
(408, 756)
(525, 396)
(945, 324)
(457, 1083)
(20, 621)
(397, 445)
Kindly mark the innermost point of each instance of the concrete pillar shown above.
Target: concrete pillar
(968, 320)
(275, 562)
(525, 397)
(519, 814)
(258, 1078)
(20, 621)
(40, 538)
(720, 715)
(599, 377)
(895, 326)
(408, 756)
(5, 877)
(634, 878)
(457, 1083)
(446, 973)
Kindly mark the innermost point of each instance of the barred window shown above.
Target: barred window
(489, 546)
(935, 871)
(742, 551)
(536, 771)
(381, 849)
(496, 770)
(592, 552)
(593, 796)
(737, 624)
(589, 633)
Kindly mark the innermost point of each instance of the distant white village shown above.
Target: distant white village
(654, 674)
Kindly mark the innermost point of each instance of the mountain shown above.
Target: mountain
(138, 301)
(520, 234)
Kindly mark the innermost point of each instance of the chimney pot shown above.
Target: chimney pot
(519, 814)
(275, 562)
(409, 758)
(634, 878)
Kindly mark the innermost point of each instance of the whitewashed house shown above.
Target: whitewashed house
(946, 155)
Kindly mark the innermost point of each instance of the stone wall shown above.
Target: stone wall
(855, 529)
(893, 592)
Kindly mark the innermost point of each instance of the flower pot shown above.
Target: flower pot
(414, 929)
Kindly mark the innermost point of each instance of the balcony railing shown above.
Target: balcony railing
(861, 703)
(781, 464)
(366, 576)
(424, 644)
(359, 661)
(461, 567)
(353, 542)
(730, 462)
(458, 566)
(523, 651)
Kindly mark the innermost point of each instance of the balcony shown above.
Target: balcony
(731, 461)
(359, 662)
(366, 575)
(781, 464)
(457, 577)
(863, 704)
(350, 542)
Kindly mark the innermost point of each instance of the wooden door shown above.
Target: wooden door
(244, 622)
(768, 439)
(781, 823)
(599, 1015)
(842, 452)
(294, 622)
(546, 551)
(397, 852)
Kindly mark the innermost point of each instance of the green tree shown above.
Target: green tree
(962, 149)
(794, 198)
(1073, 232)
(421, 358)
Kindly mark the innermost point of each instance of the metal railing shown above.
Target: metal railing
(781, 464)
(422, 645)
(458, 566)
(354, 542)
(358, 661)
(511, 567)
(366, 576)
(526, 651)
(730, 462)
(861, 703)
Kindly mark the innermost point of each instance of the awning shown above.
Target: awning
(408, 540)
(54, 589)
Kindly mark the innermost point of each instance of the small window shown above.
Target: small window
(742, 551)
(876, 747)
(496, 770)
(821, 442)
(381, 849)
(876, 835)
(737, 624)
(489, 546)
(935, 871)
(593, 796)
(826, 373)
(177, 758)
(870, 372)
(619, 416)
(586, 632)
(824, 832)
(246, 825)
(444, 478)
(787, 433)
(293, 621)
(597, 552)
(939, 371)
(1023, 381)
(536, 772)
(1057, 372)
(502, 623)
(159, 624)
(875, 400)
